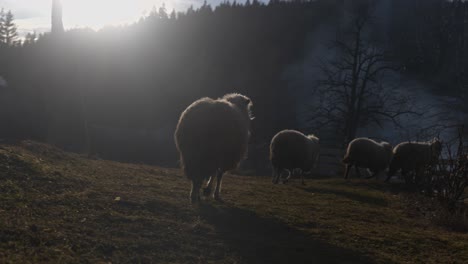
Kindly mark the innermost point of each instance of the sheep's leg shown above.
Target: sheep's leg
(358, 172)
(389, 176)
(412, 177)
(288, 177)
(276, 176)
(219, 176)
(390, 173)
(418, 175)
(374, 174)
(298, 171)
(316, 162)
(348, 167)
(209, 187)
(195, 191)
(302, 177)
(405, 175)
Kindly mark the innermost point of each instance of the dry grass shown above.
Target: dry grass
(63, 208)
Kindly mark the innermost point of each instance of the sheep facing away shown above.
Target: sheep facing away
(367, 153)
(212, 138)
(414, 157)
(291, 150)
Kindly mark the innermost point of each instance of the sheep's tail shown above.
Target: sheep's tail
(346, 159)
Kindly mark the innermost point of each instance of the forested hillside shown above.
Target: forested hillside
(118, 92)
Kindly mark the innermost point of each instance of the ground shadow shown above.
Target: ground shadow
(263, 240)
(390, 187)
(376, 201)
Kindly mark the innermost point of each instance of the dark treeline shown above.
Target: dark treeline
(430, 39)
(123, 89)
(117, 93)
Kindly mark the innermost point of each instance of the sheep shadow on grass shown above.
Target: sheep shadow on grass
(375, 201)
(263, 240)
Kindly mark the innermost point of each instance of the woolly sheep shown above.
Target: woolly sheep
(291, 150)
(212, 137)
(367, 153)
(414, 156)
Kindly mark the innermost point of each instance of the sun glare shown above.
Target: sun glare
(99, 13)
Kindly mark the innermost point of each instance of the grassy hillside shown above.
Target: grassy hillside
(60, 207)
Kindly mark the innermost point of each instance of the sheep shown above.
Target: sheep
(414, 156)
(291, 150)
(212, 137)
(367, 153)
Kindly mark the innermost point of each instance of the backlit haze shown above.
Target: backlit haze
(34, 15)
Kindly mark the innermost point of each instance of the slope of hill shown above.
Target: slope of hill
(61, 207)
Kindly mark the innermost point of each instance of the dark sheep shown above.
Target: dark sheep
(369, 154)
(291, 150)
(414, 157)
(212, 137)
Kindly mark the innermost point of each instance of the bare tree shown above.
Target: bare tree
(352, 91)
(448, 179)
(57, 24)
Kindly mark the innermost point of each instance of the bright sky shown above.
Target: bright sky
(35, 14)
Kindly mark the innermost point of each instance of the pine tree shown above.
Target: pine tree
(173, 15)
(9, 29)
(2, 26)
(162, 13)
(30, 38)
(255, 3)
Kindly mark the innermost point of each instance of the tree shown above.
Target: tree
(173, 15)
(162, 13)
(30, 38)
(8, 29)
(352, 91)
(2, 26)
(57, 23)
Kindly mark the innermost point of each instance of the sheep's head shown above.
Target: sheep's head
(242, 102)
